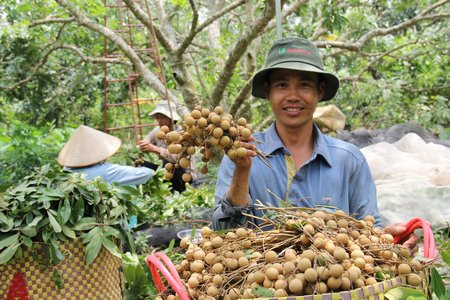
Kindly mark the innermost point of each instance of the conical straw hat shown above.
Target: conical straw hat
(88, 146)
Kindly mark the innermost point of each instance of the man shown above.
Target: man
(308, 168)
(151, 143)
(87, 151)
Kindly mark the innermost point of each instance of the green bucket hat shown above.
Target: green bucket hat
(295, 54)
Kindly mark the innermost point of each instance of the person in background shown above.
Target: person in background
(308, 168)
(166, 117)
(87, 151)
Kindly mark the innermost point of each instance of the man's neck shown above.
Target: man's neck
(299, 142)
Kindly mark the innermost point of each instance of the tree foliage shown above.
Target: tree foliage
(392, 56)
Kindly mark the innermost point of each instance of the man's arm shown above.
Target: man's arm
(232, 190)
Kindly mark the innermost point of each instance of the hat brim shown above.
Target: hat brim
(88, 146)
(159, 110)
(258, 81)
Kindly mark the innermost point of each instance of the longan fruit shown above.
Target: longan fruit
(310, 275)
(204, 169)
(215, 119)
(174, 148)
(242, 121)
(196, 114)
(270, 256)
(218, 110)
(217, 268)
(246, 133)
(225, 141)
(296, 286)
(403, 269)
(336, 270)
(168, 175)
(186, 177)
(272, 273)
(414, 279)
(184, 162)
(202, 122)
(321, 288)
(232, 131)
(189, 120)
(160, 135)
(232, 153)
(173, 136)
(225, 124)
(334, 283)
(165, 129)
(193, 282)
(241, 152)
(303, 264)
(217, 132)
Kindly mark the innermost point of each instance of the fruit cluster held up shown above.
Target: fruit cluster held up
(310, 252)
(204, 129)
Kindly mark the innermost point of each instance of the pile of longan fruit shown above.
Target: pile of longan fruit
(204, 129)
(310, 252)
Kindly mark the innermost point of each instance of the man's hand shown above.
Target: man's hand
(245, 161)
(411, 241)
(146, 146)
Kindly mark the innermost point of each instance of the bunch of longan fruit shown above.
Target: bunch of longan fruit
(309, 252)
(205, 130)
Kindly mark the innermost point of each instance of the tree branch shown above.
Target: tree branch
(142, 16)
(294, 7)
(374, 61)
(43, 61)
(357, 46)
(239, 50)
(192, 32)
(148, 76)
(50, 20)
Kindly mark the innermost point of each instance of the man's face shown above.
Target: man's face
(162, 120)
(294, 96)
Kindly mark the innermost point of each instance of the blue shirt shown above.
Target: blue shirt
(336, 174)
(123, 175)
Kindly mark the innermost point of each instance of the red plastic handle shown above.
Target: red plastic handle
(155, 263)
(428, 237)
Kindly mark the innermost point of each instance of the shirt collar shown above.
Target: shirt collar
(320, 146)
(273, 142)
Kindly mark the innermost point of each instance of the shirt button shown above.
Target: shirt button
(292, 195)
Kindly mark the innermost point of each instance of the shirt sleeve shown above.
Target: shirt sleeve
(127, 175)
(363, 194)
(226, 216)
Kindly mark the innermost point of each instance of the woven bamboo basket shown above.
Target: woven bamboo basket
(102, 279)
(371, 292)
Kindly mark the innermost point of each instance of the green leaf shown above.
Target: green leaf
(35, 220)
(29, 231)
(5, 223)
(9, 240)
(8, 253)
(263, 292)
(437, 285)
(92, 249)
(68, 232)
(111, 247)
(65, 211)
(53, 222)
(26, 241)
(85, 224)
(403, 293)
(78, 210)
(446, 257)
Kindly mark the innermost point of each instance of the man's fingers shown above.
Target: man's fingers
(395, 229)
(412, 241)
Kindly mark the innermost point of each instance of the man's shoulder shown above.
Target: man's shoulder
(335, 145)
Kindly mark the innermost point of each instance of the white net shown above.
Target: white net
(412, 179)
